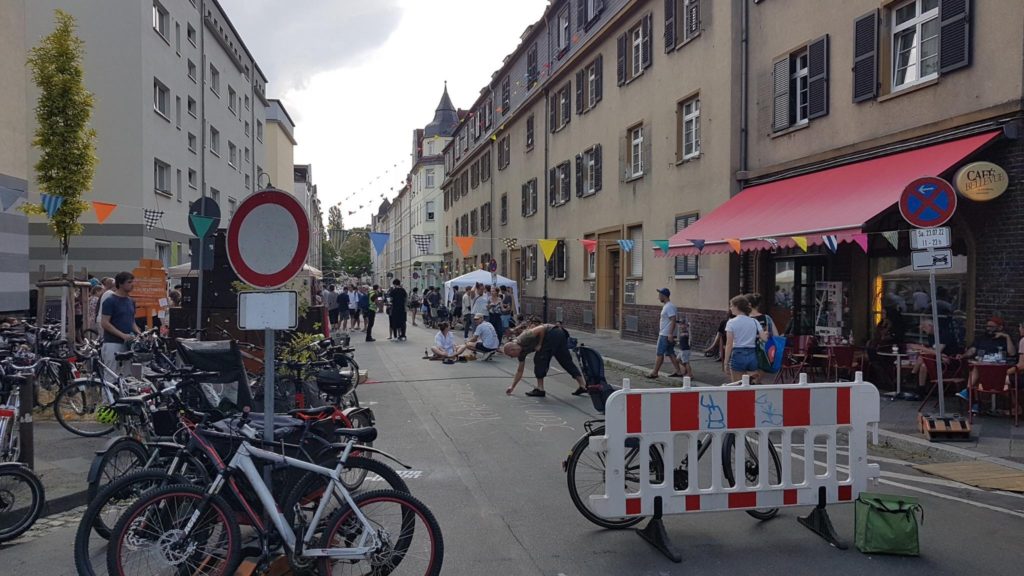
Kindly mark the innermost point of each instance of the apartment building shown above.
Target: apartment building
(306, 192)
(14, 166)
(180, 112)
(279, 147)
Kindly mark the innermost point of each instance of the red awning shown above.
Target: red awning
(837, 201)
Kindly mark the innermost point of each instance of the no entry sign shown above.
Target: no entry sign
(268, 239)
(928, 202)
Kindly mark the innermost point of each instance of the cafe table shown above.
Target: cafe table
(900, 364)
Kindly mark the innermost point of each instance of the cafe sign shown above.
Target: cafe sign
(981, 181)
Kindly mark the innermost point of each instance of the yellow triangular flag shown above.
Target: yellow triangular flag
(801, 241)
(547, 247)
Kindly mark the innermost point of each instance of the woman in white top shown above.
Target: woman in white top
(741, 334)
(444, 345)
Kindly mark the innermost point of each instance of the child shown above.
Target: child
(683, 346)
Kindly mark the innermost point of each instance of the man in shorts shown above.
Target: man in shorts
(667, 335)
(484, 338)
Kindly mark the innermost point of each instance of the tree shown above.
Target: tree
(334, 221)
(331, 261)
(355, 253)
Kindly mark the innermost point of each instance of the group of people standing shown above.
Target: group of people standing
(352, 308)
(495, 303)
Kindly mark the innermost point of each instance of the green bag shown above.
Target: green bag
(887, 524)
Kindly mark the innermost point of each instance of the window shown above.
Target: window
(682, 22)
(530, 198)
(559, 184)
(177, 184)
(685, 266)
(506, 96)
(589, 10)
(689, 129)
(192, 106)
(473, 221)
(232, 154)
(503, 215)
(634, 51)
(246, 101)
(192, 70)
(798, 87)
(588, 171)
(163, 253)
(474, 175)
(248, 181)
(588, 85)
(562, 31)
(177, 38)
(247, 160)
(636, 151)
(259, 130)
(465, 224)
(485, 167)
(636, 255)
(161, 99)
(190, 34)
(464, 183)
(214, 140)
(246, 127)
(162, 177)
(215, 195)
(232, 99)
(532, 67)
(504, 154)
(177, 111)
(232, 204)
(161, 20)
(591, 262)
(915, 42)
(557, 267)
(191, 142)
(485, 217)
(192, 179)
(214, 79)
(801, 86)
(430, 210)
(530, 262)
(560, 108)
(529, 132)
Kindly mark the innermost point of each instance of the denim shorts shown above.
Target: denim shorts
(743, 360)
(665, 348)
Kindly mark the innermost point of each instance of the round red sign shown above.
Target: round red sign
(268, 239)
(928, 202)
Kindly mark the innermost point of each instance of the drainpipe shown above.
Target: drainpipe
(202, 158)
(744, 72)
(547, 135)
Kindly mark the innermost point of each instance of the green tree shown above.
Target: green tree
(330, 260)
(67, 144)
(355, 253)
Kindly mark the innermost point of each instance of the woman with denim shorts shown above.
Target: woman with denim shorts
(741, 333)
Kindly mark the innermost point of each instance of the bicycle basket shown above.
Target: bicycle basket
(333, 383)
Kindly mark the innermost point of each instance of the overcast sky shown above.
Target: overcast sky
(358, 76)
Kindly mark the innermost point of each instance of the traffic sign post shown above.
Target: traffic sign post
(932, 260)
(926, 238)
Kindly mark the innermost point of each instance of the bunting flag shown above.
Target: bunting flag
(422, 242)
(51, 203)
(801, 241)
(661, 245)
(151, 217)
(893, 238)
(511, 243)
(737, 246)
(698, 244)
(831, 242)
(589, 245)
(862, 241)
(547, 247)
(627, 245)
(103, 210)
(465, 244)
(773, 242)
(379, 240)
(201, 224)
(8, 196)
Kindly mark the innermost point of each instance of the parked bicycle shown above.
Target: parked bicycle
(21, 493)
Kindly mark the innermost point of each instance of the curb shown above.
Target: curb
(64, 503)
(894, 439)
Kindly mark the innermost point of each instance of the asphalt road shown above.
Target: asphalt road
(490, 467)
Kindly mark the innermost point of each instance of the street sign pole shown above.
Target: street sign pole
(268, 388)
(938, 345)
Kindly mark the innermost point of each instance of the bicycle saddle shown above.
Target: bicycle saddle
(124, 355)
(367, 434)
(312, 413)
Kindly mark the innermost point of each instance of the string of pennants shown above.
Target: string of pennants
(52, 203)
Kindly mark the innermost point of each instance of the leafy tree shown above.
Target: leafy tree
(334, 221)
(355, 253)
(330, 258)
(68, 145)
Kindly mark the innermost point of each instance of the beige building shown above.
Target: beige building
(14, 166)
(279, 147)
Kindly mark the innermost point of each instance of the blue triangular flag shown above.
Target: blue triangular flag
(626, 245)
(51, 203)
(698, 244)
(379, 240)
(831, 242)
(201, 224)
(8, 196)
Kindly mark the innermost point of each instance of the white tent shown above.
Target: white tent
(483, 277)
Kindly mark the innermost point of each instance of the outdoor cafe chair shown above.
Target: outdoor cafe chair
(951, 378)
(992, 381)
(845, 359)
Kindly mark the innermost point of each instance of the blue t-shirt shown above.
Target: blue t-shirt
(122, 316)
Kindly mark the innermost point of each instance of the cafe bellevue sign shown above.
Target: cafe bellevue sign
(981, 181)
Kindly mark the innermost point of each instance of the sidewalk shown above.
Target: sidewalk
(62, 461)
(993, 439)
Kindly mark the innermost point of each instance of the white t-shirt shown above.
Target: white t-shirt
(353, 301)
(668, 313)
(744, 331)
(467, 303)
(487, 335)
(446, 343)
(480, 305)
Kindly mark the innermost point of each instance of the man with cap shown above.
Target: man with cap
(667, 335)
(485, 337)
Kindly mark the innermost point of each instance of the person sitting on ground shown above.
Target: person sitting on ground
(444, 345)
(485, 337)
(547, 341)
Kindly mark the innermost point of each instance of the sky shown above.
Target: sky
(358, 76)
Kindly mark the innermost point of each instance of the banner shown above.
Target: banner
(862, 241)
(831, 242)
(589, 245)
(151, 217)
(893, 238)
(422, 242)
(51, 203)
(698, 244)
(465, 244)
(379, 240)
(8, 196)
(735, 243)
(801, 241)
(547, 247)
(660, 245)
(627, 245)
(103, 210)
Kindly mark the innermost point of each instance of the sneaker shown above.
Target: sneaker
(963, 394)
(976, 409)
(488, 356)
(537, 393)
(579, 391)
(463, 359)
(371, 339)
(448, 361)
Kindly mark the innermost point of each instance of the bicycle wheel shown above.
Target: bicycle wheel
(48, 383)
(406, 538)
(123, 457)
(585, 474)
(105, 509)
(353, 477)
(21, 500)
(176, 529)
(751, 469)
(82, 409)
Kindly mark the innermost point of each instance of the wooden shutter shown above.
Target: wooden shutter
(954, 35)
(581, 13)
(526, 194)
(599, 71)
(553, 106)
(670, 25)
(645, 42)
(566, 104)
(620, 49)
(579, 92)
(552, 186)
(579, 175)
(565, 182)
(780, 94)
(865, 57)
(645, 147)
(817, 78)
(597, 168)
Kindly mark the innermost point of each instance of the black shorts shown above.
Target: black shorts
(333, 315)
(556, 345)
(479, 347)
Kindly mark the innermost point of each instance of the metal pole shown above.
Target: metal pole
(26, 400)
(268, 394)
(938, 346)
(202, 157)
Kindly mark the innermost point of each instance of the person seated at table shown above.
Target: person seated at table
(1017, 369)
(988, 344)
(444, 345)
(952, 357)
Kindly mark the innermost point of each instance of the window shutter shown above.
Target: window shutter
(597, 168)
(526, 196)
(780, 101)
(599, 79)
(581, 13)
(566, 105)
(552, 186)
(817, 78)
(620, 48)
(579, 175)
(579, 92)
(553, 107)
(645, 43)
(645, 146)
(865, 57)
(566, 182)
(670, 25)
(954, 35)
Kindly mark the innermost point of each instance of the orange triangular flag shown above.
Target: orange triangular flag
(735, 243)
(801, 241)
(465, 243)
(103, 210)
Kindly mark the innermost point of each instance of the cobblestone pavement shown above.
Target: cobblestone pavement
(48, 524)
